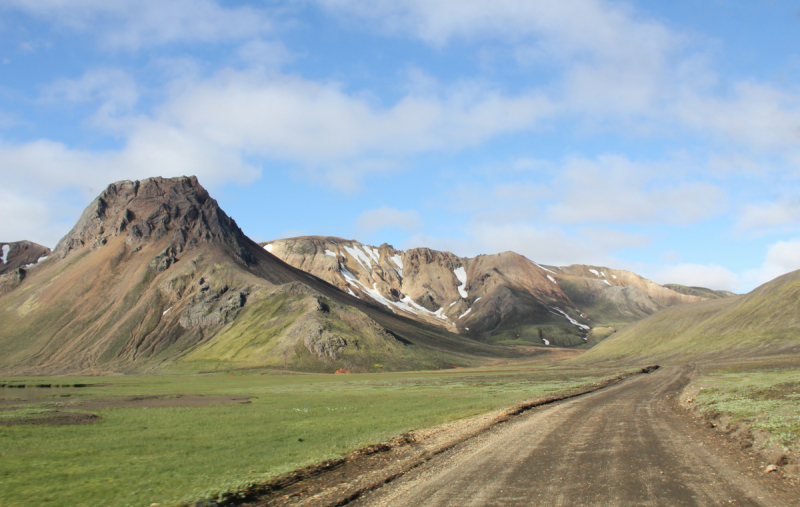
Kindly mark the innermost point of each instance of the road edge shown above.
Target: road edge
(298, 484)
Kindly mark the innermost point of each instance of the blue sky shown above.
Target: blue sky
(660, 137)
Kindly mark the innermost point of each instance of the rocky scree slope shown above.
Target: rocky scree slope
(155, 276)
(502, 298)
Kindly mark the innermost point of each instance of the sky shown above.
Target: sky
(662, 137)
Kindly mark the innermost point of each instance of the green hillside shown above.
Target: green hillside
(699, 291)
(763, 322)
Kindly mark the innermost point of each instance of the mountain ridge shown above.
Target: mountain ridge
(502, 295)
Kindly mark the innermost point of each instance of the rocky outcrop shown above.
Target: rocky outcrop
(211, 307)
(10, 280)
(150, 210)
(21, 254)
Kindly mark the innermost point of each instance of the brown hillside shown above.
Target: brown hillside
(155, 276)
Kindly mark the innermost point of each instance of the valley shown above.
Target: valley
(203, 368)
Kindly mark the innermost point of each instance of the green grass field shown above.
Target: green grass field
(168, 455)
(766, 398)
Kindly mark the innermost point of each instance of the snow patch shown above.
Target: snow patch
(454, 302)
(546, 341)
(268, 248)
(352, 293)
(614, 277)
(461, 274)
(165, 311)
(570, 319)
(594, 271)
(544, 268)
(398, 261)
(466, 328)
(606, 281)
(552, 279)
(328, 252)
(405, 304)
(604, 275)
(373, 292)
(465, 313)
(6, 249)
(373, 253)
(359, 256)
(42, 259)
(479, 298)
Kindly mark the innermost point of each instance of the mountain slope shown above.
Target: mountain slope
(504, 298)
(700, 291)
(766, 321)
(155, 276)
(21, 254)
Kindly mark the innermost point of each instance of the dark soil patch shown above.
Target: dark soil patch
(181, 400)
(54, 419)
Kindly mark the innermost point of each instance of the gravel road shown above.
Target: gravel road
(624, 445)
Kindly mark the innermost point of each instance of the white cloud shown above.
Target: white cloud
(293, 118)
(566, 26)
(114, 90)
(711, 276)
(782, 257)
(389, 218)
(766, 218)
(263, 54)
(28, 218)
(616, 190)
(133, 24)
(618, 68)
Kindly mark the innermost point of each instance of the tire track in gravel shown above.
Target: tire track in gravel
(624, 445)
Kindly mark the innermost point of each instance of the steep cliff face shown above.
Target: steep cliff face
(155, 275)
(504, 297)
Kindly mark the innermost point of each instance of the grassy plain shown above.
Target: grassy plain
(172, 454)
(765, 397)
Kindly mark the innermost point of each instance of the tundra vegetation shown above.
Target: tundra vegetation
(148, 446)
(763, 394)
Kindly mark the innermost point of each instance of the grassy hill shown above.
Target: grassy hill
(764, 322)
(699, 291)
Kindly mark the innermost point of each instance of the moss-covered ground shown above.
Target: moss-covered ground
(168, 455)
(766, 398)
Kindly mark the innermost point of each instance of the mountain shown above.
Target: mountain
(700, 291)
(764, 322)
(156, 277)
(21, 254)
(503, 298)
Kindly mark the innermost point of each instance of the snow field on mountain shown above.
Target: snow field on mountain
(461, 274)
(406, 303)
(570, 319)
(360, 257)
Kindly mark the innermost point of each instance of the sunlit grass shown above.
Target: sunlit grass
(138, 456)
(765, 400)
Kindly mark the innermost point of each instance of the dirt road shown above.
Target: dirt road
(624, 445)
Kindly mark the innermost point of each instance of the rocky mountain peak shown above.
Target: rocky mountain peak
(152, 209)
(21, 254)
